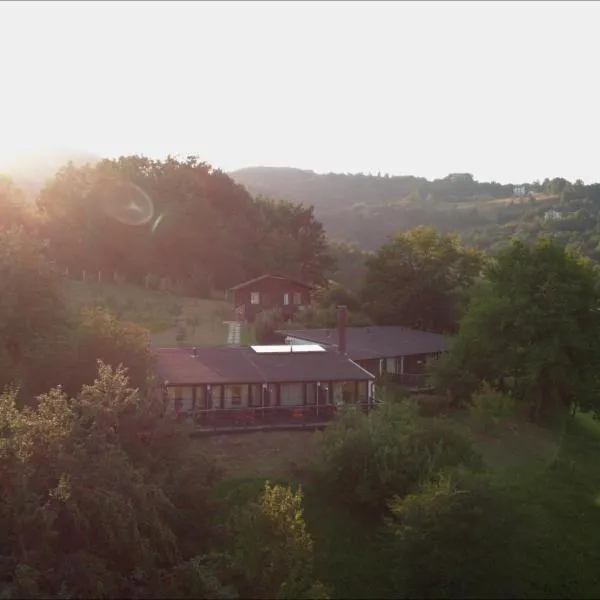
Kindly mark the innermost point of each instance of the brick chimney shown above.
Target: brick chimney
(342, 314)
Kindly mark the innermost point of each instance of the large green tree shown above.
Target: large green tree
(201, 229)
(532, 331)
(414, 279)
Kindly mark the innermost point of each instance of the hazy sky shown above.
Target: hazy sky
(506, 91)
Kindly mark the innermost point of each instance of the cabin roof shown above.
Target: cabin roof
(240, 286)
(382, 341)
(241, 364)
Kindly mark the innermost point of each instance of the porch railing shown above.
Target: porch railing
(274, 416)
(416, 380)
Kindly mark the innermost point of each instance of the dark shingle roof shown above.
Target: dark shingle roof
(239, 286)
(240, 364)
(363, 343)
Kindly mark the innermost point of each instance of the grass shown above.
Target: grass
(555, 479)
(159, 312)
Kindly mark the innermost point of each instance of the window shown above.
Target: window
(297, 298)
(236, 395)
(254, 297)
(286, 299)
(390, 366)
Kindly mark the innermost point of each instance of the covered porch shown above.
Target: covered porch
(289, 404)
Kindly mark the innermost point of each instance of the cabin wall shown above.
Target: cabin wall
(289, 296)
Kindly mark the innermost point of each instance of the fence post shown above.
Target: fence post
(83, 274)
(99, 276)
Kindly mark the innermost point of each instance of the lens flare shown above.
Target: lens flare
(126, 202)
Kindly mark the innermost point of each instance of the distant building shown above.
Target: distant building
(552, 215)
(271, 291)
(520, 190)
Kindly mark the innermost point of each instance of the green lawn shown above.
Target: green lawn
(159, 312)
(555, 479)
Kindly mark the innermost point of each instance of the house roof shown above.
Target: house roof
(363, 343)
(241, 364)
(240, 286)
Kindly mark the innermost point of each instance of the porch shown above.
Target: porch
(222, 420)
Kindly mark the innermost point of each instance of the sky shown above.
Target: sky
(503, 90)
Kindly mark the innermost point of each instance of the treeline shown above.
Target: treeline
(177, 219)
(366, 209)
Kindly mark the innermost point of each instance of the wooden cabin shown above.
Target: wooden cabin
(227, 386)
(397, 352)
(268, 292)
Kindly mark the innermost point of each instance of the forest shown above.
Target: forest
(486, 487)
(361, 211)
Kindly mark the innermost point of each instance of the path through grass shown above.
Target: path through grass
(159, 312)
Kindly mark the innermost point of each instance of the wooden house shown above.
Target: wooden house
(398, 352)
(268, 292)
(228, 386)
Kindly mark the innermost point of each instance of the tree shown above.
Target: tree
(531, 331)
(201, 229)
(272, 551)
(411, 280)
(33, 318)
(88, 485)
(455, 537)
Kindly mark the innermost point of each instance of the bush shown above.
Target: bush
(271, 549)
(366, 459)
(454, 538)
(490, 407)
(265, 325)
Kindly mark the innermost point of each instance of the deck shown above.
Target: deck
(261, 418)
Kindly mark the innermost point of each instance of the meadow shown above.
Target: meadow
(203, 320)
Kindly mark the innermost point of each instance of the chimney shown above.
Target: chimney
(342, 325)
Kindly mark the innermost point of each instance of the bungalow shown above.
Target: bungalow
(392, 350)
(260, 384)
(271, 291)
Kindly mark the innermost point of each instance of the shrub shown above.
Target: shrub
(454, 538)
(271, 548)
(366, 459)
(265, 325)
(490, 407)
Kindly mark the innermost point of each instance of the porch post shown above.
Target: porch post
(402, 365)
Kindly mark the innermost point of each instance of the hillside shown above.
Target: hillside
(31, 170)
(365, 209)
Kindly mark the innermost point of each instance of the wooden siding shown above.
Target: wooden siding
(272, 292)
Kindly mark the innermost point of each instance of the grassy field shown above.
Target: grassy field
(159, 312)
(554, 477)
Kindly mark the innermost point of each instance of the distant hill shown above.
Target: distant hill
(30, 170)
(365, 209)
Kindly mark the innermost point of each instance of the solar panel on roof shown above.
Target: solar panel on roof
(288, 349)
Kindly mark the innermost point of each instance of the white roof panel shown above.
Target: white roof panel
(288, 349)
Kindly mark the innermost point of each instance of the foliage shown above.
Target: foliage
(490, 407)
(203, 231)
(272, 551)
(411, 280)
(93, 496)
(366, 459)
(531, 331)
(266, 324)
(454, 538)
(100, 335)
(33, 320)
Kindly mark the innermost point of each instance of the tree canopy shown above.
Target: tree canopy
(532, 330)
(413, 278)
